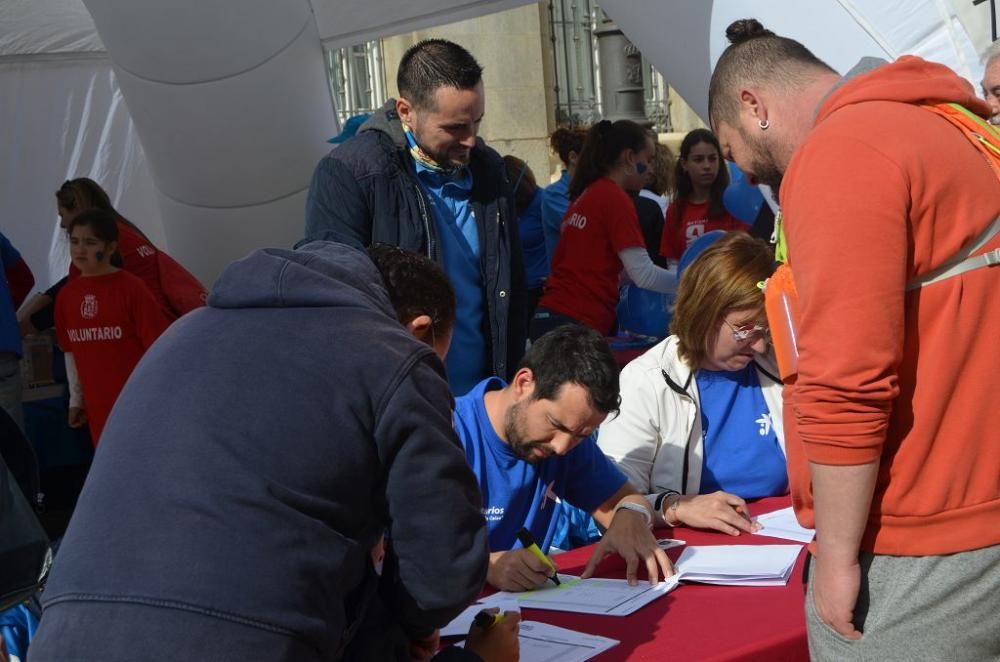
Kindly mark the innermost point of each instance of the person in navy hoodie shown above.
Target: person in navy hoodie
(531, 446)
(254, 460)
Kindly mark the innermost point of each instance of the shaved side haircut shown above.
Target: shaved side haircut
(755, 56)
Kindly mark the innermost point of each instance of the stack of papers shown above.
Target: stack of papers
(609, 597)
(541, 642)
(738, 565)
(782, 524)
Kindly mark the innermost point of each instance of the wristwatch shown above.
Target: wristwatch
(629, 505)
(658, 503)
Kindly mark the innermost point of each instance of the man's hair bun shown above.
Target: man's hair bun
(746, 29)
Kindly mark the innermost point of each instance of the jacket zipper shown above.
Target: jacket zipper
(431, 243)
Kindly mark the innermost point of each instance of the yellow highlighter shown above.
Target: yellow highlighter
(529, 544)
(487, 620)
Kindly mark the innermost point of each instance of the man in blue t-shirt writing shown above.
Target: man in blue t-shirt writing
(530, 445)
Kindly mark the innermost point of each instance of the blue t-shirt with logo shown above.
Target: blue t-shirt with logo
(458, 239)
(520, 494)
(742, 453)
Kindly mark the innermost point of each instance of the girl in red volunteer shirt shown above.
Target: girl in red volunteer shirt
(600, 235)
(105, 320)
(136, 254)
(702, 179)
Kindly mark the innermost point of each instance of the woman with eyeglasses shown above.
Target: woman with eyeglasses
(700, 424)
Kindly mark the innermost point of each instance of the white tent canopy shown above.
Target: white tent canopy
(228, 106)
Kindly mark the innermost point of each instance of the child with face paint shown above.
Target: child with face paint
(600, 235)
(105, 321)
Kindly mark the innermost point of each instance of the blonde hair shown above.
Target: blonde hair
(722, 279)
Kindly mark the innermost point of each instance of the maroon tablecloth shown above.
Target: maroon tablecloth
(697, 621)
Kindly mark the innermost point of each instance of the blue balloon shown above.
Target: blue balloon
(645, 312)
(742, 199)
(696, 248)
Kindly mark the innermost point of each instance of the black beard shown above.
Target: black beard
(516, 441)
(770, 175)
(763, 165)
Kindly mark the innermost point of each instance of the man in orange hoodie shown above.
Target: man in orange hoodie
(891, 424)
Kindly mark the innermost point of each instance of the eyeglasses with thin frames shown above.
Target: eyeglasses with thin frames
(748, 332)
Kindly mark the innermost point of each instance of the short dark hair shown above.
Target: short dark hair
(755, 55)
(435, 63)
(416, 286)
(102, 223)
(574, 354)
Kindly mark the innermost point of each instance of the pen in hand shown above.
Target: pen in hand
(743, 512)
(527, 542)
(486, 619)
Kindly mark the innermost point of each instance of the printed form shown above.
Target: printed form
(610, 597)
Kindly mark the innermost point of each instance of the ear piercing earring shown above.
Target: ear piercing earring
(763, 124)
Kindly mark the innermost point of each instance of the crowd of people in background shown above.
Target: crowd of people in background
(330, 453)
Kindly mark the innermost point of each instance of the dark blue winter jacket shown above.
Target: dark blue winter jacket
(252, 461)
(366, 190)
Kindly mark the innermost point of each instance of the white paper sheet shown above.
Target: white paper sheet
(541, 642)
(738, 565)
(610, 597)
(782, 524)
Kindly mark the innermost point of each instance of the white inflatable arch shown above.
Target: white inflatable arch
(205, 118)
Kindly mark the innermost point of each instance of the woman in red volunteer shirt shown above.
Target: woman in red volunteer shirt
(106, 319)
(702, 179)
(600, 235)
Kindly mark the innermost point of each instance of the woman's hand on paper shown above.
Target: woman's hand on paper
(720, 511)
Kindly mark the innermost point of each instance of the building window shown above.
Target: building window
(657, 99)
(574, 49)
(577, 63)
(356, 79)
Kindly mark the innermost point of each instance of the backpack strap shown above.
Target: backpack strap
(961, 262)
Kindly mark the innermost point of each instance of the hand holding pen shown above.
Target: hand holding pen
(493, 636)
(521, 569)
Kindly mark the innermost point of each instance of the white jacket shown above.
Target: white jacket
(656, 438)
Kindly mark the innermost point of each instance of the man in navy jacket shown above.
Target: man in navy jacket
(252, 463)
(417, 176)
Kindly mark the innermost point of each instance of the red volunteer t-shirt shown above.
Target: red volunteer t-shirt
(679, 233)
(107, 322)
(139, 257)
(585, 268)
